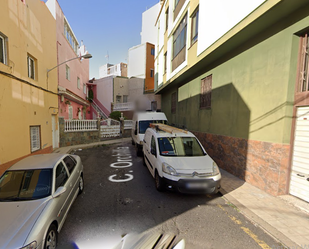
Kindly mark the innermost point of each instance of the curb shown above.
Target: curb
(256, 220)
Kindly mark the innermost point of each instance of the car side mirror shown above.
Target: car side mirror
(59, 192)
(135, 132)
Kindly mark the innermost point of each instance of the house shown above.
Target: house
(119, 69)
(73, 75)
(28, 95)
(238, 78)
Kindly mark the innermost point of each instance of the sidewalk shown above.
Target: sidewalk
(68, 149)
(276, 215)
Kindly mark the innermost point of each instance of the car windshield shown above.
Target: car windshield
(23, 185)
(180, 146)
(143, 125)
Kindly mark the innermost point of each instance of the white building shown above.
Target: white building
(107, 70)
(149, 30)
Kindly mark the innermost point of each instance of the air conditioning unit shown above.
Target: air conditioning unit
(62, 98)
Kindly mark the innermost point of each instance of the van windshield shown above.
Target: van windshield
(144, 124)
(180, 146)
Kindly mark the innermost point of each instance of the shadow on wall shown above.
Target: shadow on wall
(262, 164)
(229, 116)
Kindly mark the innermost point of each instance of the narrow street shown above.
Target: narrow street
(108, 209)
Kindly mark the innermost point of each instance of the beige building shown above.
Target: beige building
(28, 98)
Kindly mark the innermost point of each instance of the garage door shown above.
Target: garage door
(299, 185)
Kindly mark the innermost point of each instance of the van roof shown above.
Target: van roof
(163, 130)
(150, 116)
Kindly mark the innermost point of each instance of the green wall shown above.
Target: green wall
(252, 92)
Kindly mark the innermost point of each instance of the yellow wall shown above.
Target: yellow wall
(30, 29)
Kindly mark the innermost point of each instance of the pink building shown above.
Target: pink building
(72, 75)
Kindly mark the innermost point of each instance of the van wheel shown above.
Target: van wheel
(139, 152)
(159, 183)
(144, 161)
(133, 142)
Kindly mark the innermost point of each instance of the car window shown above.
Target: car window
(153, 145)
(180, 146)
(143, 125)
(70, 163)
(61, 175)
(22, 185)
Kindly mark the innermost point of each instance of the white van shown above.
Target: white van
(141, 121)
(177, 160)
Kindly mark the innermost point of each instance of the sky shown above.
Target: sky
(106, 26)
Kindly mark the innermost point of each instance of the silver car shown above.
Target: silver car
(35, 196)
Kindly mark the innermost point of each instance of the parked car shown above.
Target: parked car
(177, 160)
(141, 121)
(35, 196)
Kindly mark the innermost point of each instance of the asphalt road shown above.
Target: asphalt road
(108, 208)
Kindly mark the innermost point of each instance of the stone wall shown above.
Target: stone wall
(262, 164)
(75, 138)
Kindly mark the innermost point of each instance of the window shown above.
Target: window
(180, 37)
(180, 146)
(194, 33)
(303, 75)
(67, 72)
(3, 53)
(31, 67)
(152, 51)
(176, 2)
(151, 73)
(35, 138)
(61, 176)
(153, 146)
(68, 33)
(166, 19)
(165, 62)
(69, 163)
(118, 99)
(84, 88)
(206, 86)
(125, 98)
(78, 83)
(70, 109)
(173, 104)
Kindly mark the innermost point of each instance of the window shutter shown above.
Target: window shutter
(35, 138)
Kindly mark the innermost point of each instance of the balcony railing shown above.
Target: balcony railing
(128, 106)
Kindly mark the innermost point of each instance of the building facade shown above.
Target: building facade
(74, 74)
(241, 85)
(119, 69)
(29, 101)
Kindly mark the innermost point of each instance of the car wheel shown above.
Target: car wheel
(81, 184)
(51, 238)
(159, 182)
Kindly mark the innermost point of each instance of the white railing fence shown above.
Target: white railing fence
(80, 125)
(128, 124)
(110, 128)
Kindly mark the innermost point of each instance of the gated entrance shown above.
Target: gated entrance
(110, 128)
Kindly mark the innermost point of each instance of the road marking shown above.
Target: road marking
(124, 160)
(261, 243)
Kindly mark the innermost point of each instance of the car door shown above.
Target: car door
(61, 180)
(73, 176)
(152, 155)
